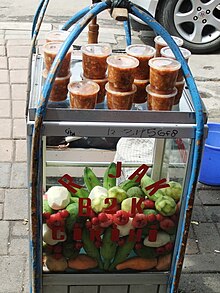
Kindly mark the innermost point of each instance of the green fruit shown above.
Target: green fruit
(128, 184)
(118, 193)
(90, 179)
(145, 182)
(135, 191)
(109, 182)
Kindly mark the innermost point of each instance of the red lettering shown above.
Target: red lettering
(152, 236)
(157, 185)
(58, 233)
(77, 234)
(84, 207)
(67, 181)
(113, 205)
(139, 172)
(136, 206)
(95, 235)
(115, 235)
(118, 171)
(135, 235)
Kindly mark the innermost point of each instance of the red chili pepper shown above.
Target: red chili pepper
(121, 217)
(152, 237)
(139, 221)
(95, 221)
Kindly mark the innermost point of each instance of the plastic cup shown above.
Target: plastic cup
(50, 51)
(167, 52)
(59, 89)
(179, 86)
(83, 94)
(57, 36)
(141, 95)
(102, 91)
(121, 70)
(160, 102)
(163, 73)
(94, 60)
(160, 43)
(143, 53)
(119, 100)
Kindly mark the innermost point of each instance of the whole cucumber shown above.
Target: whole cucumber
(108, 248)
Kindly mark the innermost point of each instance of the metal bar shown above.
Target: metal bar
(35, 31)
(127, 28)
(198, 143)
(159, 148)
(76, 17)
(88, 164)
(36, 241)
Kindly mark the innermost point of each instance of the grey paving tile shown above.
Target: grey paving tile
(213, 213)
(5, 91)
(18, 76)
(5, 129)
(18, 175)
(3, 63)
(18, 51)
(19, 246)
(208, 238)
(199, 214)
(18, 63)
(210, 197)
(1, 211)
(12, 271)
(2, 50)
(18, 109)
(199, 283)
(20, 209)
(19, 229)
(21, 151)
(4, 236)
(5, 170)
(204, 263)
(18, 91)
(4, 76)
(6, 153)
(5, 108)
(19, 128)
(2, 194)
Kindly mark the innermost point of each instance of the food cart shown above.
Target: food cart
(157, 147)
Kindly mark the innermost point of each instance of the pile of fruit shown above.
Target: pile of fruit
(105, 227)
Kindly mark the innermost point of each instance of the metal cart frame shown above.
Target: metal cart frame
(193, 128)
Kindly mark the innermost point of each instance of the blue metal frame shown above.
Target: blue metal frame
(41, 112)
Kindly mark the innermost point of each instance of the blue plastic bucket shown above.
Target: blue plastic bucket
(210, 165)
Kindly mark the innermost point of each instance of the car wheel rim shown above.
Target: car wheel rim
(198, 21)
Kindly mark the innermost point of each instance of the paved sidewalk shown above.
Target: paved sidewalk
(202, 261)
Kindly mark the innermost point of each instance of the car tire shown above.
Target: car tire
(166, 16)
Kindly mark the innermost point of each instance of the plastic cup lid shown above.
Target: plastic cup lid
(140, 50)
(83, 87)
(134, 89)
(141, 81)
(97, 49)
(57, 35)
(160, 41)
(167, 52)
(122, 61)
(45, 73)
(162, 96)
(54, 47)
(163, 63)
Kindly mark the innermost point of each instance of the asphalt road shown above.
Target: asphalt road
(17, 10)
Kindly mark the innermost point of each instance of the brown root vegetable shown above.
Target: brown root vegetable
(82, 262)
(56, 265)
(137, 263)
(164, 262)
